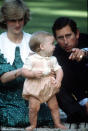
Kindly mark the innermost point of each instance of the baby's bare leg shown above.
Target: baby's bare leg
(53, 105)
(34, 106)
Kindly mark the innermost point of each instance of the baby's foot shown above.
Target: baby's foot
(61, 126)
(30, 128)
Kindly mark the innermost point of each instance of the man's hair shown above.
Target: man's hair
(12, 10)
(62, 22)
(38, 38)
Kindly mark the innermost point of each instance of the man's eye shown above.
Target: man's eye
(60, 37)
(68, 35)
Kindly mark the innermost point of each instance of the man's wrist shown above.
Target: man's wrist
(83, 101)
(85, 51)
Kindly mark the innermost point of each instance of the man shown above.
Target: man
(71, 52)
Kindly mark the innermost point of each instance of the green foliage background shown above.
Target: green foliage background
(44, 13)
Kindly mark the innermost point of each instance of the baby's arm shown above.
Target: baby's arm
(58, 73)
(31, 74)
(59, 77)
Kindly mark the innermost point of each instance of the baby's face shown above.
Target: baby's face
(49, 45)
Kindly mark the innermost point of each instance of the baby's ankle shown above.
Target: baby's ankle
(30, 128)
(61, 126)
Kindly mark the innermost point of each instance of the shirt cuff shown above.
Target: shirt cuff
(83, 101)
(85, 51)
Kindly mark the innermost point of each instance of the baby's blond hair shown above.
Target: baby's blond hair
(37, 39)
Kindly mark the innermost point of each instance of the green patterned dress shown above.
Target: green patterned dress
(13, 108)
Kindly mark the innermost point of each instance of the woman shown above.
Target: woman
(14, 14)
(14, 48)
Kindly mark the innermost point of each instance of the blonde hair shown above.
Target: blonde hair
(12, 10)
(38, 38)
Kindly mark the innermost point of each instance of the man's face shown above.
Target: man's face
(66, 38)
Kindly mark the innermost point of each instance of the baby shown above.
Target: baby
(40, 85)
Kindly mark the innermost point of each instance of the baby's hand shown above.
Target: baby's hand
(56, 83)
(52, 73)
(38, 74)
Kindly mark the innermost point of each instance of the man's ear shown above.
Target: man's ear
(77, 34)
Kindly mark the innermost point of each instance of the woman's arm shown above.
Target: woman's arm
(27, 73)
(9, 76)
(31, 74)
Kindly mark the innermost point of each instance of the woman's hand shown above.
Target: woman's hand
(37, 74)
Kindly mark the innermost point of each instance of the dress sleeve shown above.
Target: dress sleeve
(4, 66)
(56, 65)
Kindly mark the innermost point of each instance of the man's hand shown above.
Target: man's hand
(77, 54)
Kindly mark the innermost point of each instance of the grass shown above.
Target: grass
(44, 13)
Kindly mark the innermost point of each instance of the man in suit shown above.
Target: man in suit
(72, 54)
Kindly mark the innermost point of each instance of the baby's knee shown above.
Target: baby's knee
(53, 106)
(34, 104)
(34, 107)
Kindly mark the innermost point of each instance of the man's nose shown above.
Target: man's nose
(65, 40)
